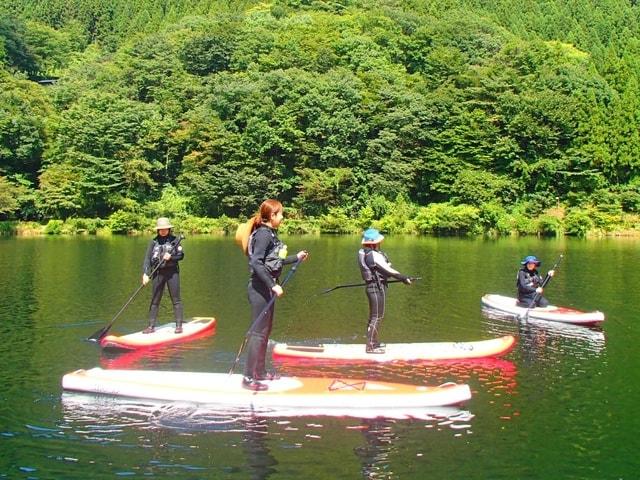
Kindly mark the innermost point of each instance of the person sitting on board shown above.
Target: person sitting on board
(376, 269)
(267, 255)
(162, 251)
(529, 283)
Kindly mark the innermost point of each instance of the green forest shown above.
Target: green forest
(444, 117)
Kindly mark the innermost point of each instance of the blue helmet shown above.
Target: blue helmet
(371, 235)
(531, 259)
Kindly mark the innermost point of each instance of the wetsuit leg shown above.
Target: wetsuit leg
(258, 336)
(376, 297)
(157, 284)
(173, 284)
(542, 302)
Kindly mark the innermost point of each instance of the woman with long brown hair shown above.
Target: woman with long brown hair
(267, 255)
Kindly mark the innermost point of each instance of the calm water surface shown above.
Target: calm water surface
(563, 404)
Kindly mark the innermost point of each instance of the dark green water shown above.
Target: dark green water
(563, 404)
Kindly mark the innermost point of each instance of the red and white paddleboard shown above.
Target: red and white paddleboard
(395, 352)
(163, 335)
(551, 312)
(320, 395)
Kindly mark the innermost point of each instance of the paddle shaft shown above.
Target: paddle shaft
(349, 285)
(100, 334)
(546, 280)
(262, 313)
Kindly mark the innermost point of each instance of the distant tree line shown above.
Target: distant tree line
(350, 111)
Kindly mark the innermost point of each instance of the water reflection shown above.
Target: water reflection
(165, 357)
(536, 335)
(113, 420)
(379, 444)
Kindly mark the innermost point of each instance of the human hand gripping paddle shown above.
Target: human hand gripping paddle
(537, 296)
(100, 334)
(263, 312)
(349, 285)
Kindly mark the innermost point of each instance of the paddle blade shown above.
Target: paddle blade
(99, 335)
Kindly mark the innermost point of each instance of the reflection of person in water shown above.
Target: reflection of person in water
(374, 455)
(532, 340)
(260, 462)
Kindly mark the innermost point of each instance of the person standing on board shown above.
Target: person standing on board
(267, 255)
(376, 269)
(162, 251)
(529, 283)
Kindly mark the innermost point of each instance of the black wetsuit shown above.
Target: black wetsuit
(376, 269)
(167, 274)
(527, 282)
(265, 266)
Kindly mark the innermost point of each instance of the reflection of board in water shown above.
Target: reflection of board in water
(95, 410)
(593, 335)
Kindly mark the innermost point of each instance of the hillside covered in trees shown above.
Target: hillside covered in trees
(428, 116)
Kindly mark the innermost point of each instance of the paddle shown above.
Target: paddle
(100, 334)
(262, 313)
(349, 285)
(537, 296)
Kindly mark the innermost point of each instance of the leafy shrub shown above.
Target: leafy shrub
(550, 226)
(198, 225)
(83, 225)
(337, 221)
(54, 227)
(578, 222)
(398, 217)
(7, 228)
(122, 221)
(171, 204)
(606, 201)
(630, 201)
(494, 219)
(523, 224)
(447, 219)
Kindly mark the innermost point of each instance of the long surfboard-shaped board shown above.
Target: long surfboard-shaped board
(551, 313)
(318, 394)
(395, 352)
(163, 335)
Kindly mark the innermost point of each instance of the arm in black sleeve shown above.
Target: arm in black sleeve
(177, 253)
(146, 265)
(385, 268)
(290, 259)
(262, 242)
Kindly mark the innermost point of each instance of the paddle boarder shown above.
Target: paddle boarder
(162, 251)
(376, 269)
(267, 255)
(529, 283)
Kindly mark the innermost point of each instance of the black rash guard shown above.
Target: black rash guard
(527, 282)
(156, 250)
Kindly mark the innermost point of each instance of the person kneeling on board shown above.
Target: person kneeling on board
(529, 283)
(376, 269)
(162, 251)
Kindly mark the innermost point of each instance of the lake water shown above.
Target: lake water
(562, 404)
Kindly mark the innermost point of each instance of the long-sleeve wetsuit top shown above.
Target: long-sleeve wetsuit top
(527, 282)
(376, 268)
(156, 250)
(264, 247)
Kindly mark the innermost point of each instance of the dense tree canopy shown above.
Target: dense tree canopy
(330, 106)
